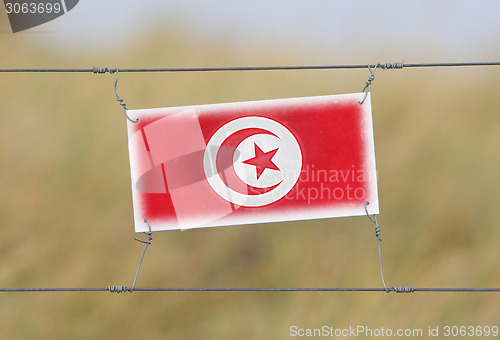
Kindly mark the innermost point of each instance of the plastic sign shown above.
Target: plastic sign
(252, 162)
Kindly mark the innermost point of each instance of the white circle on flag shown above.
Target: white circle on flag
(267, 160)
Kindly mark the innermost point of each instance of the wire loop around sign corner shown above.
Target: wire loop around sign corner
(377, 234)
(118, 99)
(122, 289)
(368, 83)
(373, 218)
(102, 70)
(147, 243)
(384, 66)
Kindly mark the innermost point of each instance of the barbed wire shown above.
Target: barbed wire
(398, 65)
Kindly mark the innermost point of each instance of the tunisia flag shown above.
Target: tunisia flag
(252, 162)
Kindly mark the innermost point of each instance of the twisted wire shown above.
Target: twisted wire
(118, 99)
(379, 239)
(392, 66)
(368, 83)
(377, 234)
(147, 242)
(404, 289)
(118, 289)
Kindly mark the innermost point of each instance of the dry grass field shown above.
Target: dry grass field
(66, 210)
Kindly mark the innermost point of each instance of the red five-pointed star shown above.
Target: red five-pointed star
(262, 160)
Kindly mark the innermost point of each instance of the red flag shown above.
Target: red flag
(252, 162)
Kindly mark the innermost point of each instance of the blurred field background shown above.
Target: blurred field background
(66, 210)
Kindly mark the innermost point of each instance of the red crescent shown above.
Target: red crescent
(224, 160)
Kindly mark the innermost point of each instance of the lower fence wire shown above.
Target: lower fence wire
(119, 289)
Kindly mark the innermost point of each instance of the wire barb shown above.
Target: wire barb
(392, 66)
(102, 70)
(118, 289)
(404, 289)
